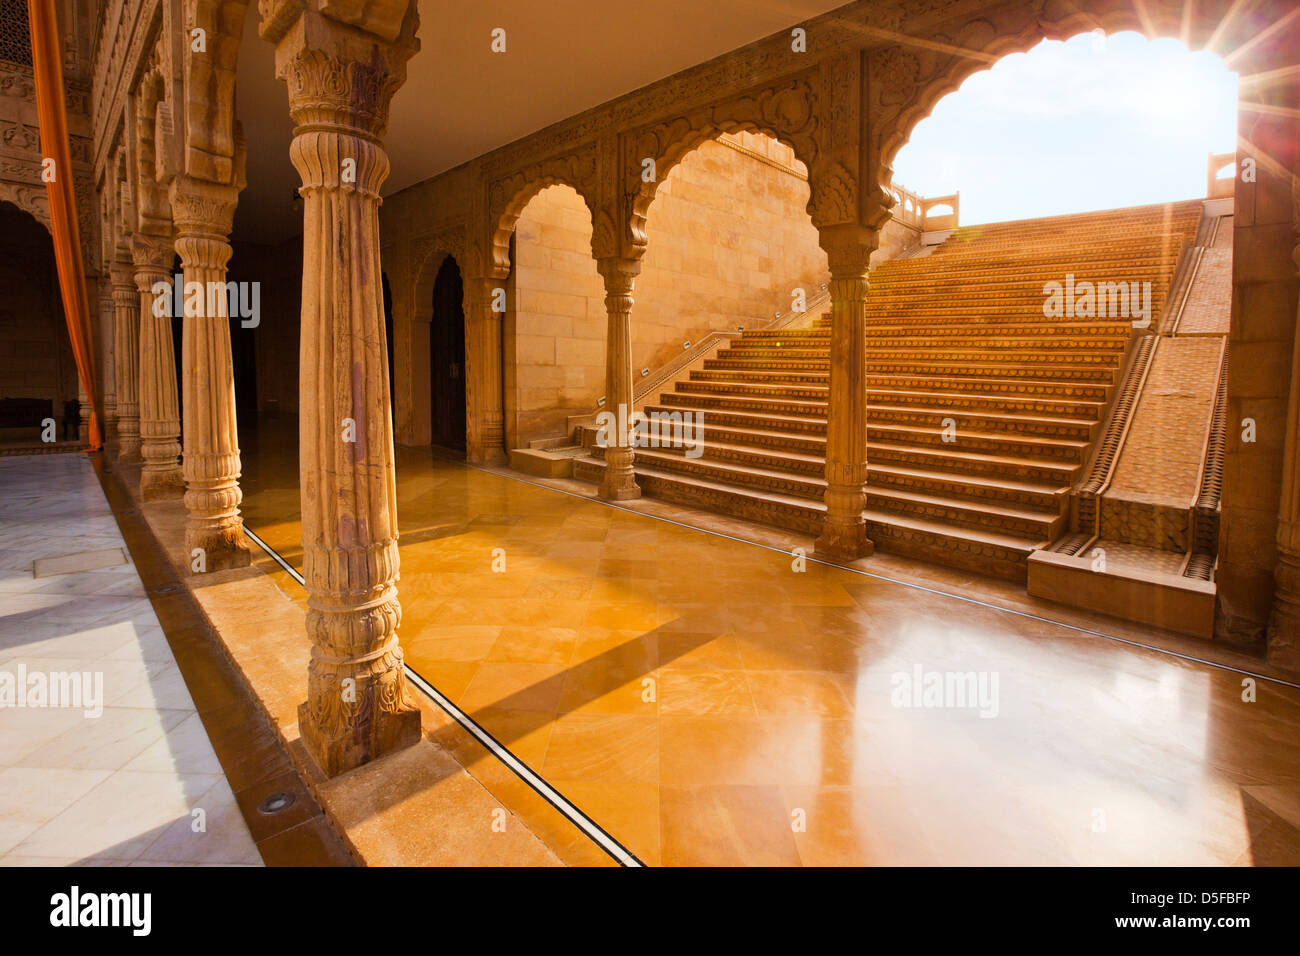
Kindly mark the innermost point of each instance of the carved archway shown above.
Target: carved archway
(508, 196)
(908, 79)
(786, 111)
(30, 199)
(412, 316)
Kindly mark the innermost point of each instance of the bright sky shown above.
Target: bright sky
(1091, 123)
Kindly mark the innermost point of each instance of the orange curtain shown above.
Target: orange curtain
(52, 118)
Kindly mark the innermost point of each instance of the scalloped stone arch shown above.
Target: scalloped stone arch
(989, 42)
(29, 199)
(507, 219)
(690, 140)
(411, 322)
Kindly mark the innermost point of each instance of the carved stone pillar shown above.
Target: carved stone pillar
(214, 535)
(619, 483)
(1284, 625)
(108, 361)
(126, 331)
(485, 443)
(844, 530)
(160, 426)
(341, 79)
(83, 413)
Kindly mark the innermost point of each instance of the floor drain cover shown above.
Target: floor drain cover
(276, 802)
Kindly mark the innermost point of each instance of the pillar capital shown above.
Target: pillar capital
(122, 279)
(848, 248)
(202, 208)
(152, 256)
(341, 62)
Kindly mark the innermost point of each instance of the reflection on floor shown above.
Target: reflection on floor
(708, 702)
(139, 784)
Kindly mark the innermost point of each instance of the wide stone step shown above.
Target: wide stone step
(798, 416)
(984, 515)
(973, 549)
(1047, 389)
(966, 464)
(937, 353)
(816, 393)
(803, 475)
(992, 338)
(760, 375)
(1097, 374)
(1039, 448)
(704, 392)
(1087, 411)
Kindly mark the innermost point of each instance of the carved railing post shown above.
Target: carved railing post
(160, 426)
(619, 482)
(844, 530)
(485, 441)
(126, 331)
(341, 79)
(214, 536)
(1284, 625)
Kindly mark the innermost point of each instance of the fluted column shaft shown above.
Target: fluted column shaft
(340, 82)
(619, 481)
(160, 426)
(126, 336)
(108, 354)
(214, 537)
(486, 439)
(844, 531)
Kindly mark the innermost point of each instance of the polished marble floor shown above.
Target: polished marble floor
(137, 783)
(710, 701)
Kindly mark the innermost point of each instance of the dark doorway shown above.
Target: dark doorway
(447, 357)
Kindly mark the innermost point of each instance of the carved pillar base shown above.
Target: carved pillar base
(619, 481)
(214, 535)
(844, 532)
(83, 412)
(340, 81)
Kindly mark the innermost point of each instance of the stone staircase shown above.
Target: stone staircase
(982, 412)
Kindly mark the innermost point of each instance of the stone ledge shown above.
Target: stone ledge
(419, 807)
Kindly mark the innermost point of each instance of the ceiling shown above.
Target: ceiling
(461, 100)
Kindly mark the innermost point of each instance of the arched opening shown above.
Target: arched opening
(729, 245)
(554, 331)
(1089, 123)
(446, 357)
(1080, 166)
(38, 374)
